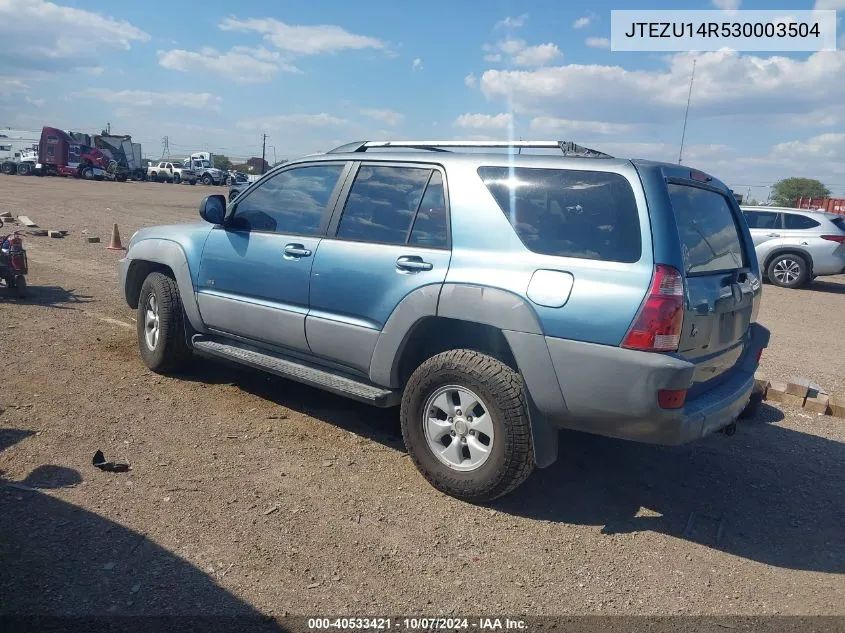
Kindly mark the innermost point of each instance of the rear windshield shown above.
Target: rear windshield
(839, 222)
(709, 235)
(569, 213)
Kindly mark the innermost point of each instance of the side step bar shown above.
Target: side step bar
(295, 369)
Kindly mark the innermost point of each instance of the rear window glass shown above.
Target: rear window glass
(839, 222)
(709, 235)
(794, 221)
(569, 213)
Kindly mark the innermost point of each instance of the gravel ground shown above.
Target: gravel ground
(250, 493)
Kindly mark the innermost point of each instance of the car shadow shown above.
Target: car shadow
(768, 494)
(379, 425)
(832, 287)
(47, 296)
(65, 568)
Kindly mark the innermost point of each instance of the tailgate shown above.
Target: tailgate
(720, 285)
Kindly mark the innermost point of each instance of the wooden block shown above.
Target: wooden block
(26, 221)
(93, 240)
(37, 233)
(55, 234)
(776, 391)
(761, 383)
(6, 214)
(816, 404)
(792, 400)
(798, 387)
(837, 406)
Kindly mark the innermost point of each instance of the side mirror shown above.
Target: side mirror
(213, 209)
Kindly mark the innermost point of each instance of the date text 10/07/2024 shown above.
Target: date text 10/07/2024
(414, 624)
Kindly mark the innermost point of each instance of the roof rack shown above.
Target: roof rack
(567, 147)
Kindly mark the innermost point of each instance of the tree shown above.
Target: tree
(222, 162)
(785, 192)
(753, 202)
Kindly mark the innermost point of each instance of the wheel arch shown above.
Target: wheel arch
(159, 255)
(788, 250)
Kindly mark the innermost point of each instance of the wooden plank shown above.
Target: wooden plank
(23, 219)
(792, 400)
(798, 386)
(776, 391)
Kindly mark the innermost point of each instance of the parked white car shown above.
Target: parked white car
(794, 246)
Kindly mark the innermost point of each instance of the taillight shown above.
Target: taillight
(657, 327)
(834, 238)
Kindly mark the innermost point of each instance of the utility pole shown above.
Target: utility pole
(263, 151)
(686, 113)
(274, 154)
(108, 127)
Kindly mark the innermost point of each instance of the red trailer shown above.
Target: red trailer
(831, 205)
(62, 154)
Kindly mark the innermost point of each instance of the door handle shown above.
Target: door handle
(296, 250)
(773, 235)
(413, 263)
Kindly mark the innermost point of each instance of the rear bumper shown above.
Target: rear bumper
(613, 391)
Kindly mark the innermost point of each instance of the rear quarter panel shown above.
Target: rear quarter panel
(605, 296)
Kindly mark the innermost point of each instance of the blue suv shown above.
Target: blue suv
(497, 296)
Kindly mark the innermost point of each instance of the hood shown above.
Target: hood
(172, 232)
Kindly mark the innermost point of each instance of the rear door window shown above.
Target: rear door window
(839, 222)
(762, 219)
(798, 222)
(569, 213)
(710, 238)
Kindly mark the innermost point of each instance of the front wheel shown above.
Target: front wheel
(177, 179)
(207, 180)
(465, 424)
(789, 271)
(161, 325)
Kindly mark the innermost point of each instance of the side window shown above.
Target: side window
(382, 204)
(292, 201)
(567, 212)
(797, 222)
(430, 224)
(762, 220)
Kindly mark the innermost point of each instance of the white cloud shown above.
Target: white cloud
(829, 146)
(836, 5)
(240, 65)
(147, 98)
(303, 40)
(512, 23)
(388, 117)
(470, 80)
(417, 64)
(288, 121)
(726, 83)
(569, 126)
(484, 121)
(36, 102)
(521, 54)
(580, 23)
(41, 34)
(727, 5)
(597, 42)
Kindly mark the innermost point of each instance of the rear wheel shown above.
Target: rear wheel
(8, 168)
(87, 172)
(24, 169)
(789, 271)
(465, 425)
(161, 325)
(177, 179)
(207, 180)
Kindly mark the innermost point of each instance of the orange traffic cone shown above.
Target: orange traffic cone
(114, 244)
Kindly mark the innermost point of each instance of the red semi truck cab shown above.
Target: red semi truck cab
(62, 155)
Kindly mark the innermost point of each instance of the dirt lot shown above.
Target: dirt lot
(253, 493)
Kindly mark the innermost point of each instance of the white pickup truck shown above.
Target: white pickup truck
(166, 171)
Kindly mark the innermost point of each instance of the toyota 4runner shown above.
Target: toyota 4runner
(497, 297)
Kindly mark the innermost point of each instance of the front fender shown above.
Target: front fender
(167, 253)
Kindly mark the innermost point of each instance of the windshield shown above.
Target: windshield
(205, 163)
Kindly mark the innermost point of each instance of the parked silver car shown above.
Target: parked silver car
(794, 246)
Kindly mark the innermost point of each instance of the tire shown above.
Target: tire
(207, 180)
(510, 459)
(9, 169)
(192, 182)
(153, 177)
(24, 169)
(87, 173)
(788, 270)
(177, 179)
(168, 350)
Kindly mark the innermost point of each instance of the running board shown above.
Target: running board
(295, 369)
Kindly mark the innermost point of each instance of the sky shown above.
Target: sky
(313, 75)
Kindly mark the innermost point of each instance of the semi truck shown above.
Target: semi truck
(97, 157)
(831, 205)
(18, 152)
(202, 164)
